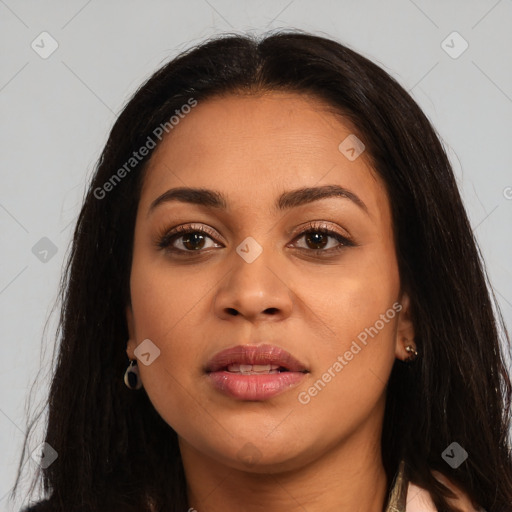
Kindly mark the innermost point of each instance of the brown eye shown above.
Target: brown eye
(191, 239)
(317, 239)
(187, 240)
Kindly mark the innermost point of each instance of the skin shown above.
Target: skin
(323, 455)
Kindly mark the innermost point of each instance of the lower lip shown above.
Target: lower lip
(254, 387)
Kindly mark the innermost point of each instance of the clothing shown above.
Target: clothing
(408, 497)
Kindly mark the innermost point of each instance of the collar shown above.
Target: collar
(398, 495)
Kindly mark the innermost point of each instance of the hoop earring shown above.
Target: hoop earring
(131, 376)
(413, 353)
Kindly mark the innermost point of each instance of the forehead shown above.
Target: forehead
(257, 145)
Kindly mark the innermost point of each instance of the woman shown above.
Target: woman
(275, 239)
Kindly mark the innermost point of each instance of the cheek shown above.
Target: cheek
(165, 304)
(163, 296)
(348, 380)
(346, 299)
(358, 308)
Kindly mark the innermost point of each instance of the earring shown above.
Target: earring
(131, 376)
(413, 353)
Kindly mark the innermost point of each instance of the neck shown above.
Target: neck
(346, 478)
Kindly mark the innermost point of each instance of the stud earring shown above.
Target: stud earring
(131, 376)
(413, 353)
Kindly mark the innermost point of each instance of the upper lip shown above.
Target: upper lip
(251, 354)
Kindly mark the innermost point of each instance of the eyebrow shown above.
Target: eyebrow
(287, 200)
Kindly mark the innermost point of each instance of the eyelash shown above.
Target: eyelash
(165, 239)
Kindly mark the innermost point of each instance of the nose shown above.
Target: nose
(256, 291)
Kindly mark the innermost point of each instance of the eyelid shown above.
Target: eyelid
(321, 224)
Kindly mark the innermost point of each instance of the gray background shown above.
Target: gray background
(57, 111)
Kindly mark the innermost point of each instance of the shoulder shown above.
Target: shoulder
(419, 499)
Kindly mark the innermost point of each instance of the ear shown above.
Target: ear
(131, 344)
(405, 329)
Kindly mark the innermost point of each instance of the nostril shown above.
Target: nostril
(232, 311)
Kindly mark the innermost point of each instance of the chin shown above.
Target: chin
(260, 454)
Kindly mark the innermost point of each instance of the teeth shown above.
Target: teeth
(251, 369)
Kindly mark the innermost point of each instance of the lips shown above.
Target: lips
(254, 373)
(260, 356)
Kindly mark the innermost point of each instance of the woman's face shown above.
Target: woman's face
(331, 300)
